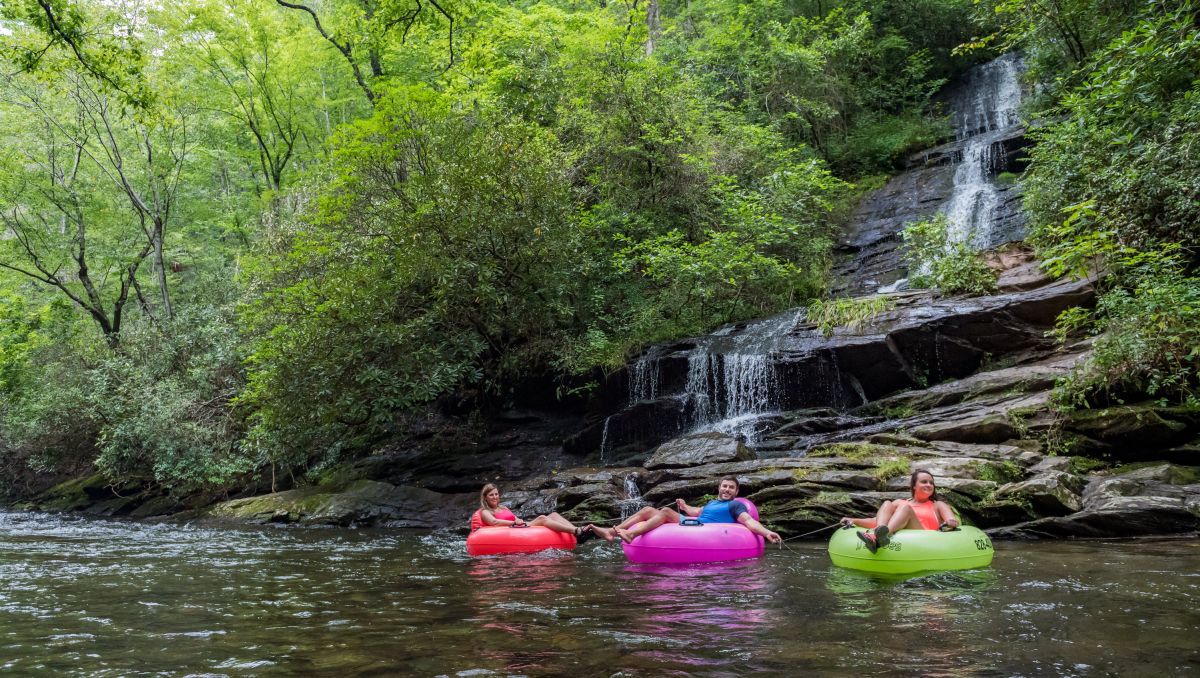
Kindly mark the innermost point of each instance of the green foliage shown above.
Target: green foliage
(951, 266)
(851, 79)
(1148, 328)
(1121, 162)
(854, 314)
(1056, 36)
(408, 202)
(393, 293)
(891, 467)
(848, 451)
(999, 471)
(1086, 465)
(157, 411)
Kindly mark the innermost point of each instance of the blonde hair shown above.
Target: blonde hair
(483, 495)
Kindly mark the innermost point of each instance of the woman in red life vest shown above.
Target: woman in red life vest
(492, 514)
(925, 510)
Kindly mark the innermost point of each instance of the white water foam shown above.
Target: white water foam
(981, 119)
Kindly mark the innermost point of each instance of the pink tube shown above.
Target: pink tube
(713, 542)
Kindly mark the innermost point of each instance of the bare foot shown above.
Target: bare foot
(607, 533)
(624, 535)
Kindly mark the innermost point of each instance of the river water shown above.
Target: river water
(80, 596)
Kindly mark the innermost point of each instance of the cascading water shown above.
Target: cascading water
(643, 380)
(604, 441)
(982, 115)
(633, 501)
(731, 383)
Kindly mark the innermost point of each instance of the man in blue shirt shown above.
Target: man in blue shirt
(721, 510)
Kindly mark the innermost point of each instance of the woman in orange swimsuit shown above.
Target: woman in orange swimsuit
(925, 510)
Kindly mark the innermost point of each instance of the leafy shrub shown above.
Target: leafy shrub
(1148, 327)
(157, 410)
(934, 261)
(852, 313)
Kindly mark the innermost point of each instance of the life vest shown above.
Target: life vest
(501, 513)
(926, 513)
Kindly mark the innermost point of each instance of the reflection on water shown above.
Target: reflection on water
(95, 598)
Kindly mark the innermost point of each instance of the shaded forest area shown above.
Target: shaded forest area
(244, 238)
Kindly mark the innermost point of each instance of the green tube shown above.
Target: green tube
(913, 551)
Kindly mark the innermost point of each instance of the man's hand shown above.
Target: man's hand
(774, 537)
(681, 506)
(846, 522)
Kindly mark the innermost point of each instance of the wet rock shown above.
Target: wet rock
(988, 428)
(813, 508)
(364, 502)
(1130, 432)
(925, 340)
(1052, 464)
(855, 480)
(1188, 454)
(692, 490)
(825, 424)
(573, 495)
(699, 449)
(1128, 517)
(599, 508)
(1039, 376)
(1167, 480)
(989, 514)
(1018, 267)
(1159, 499)
(1054, 493)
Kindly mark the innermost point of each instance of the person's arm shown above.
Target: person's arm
(946, 514)
(759, 529)
(686, 510)
(857, 522)
(489, 519)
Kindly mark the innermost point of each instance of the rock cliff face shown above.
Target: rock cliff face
(959, 178)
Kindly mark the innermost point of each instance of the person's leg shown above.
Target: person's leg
(554, 522)
(886, 510)
(606, 533)
(641, 516)
(903, 518)
(662, 516)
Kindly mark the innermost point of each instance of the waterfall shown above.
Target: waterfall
(729, 391)
(643, 380)
(604, 442)
(981, 116)
(633, 497)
